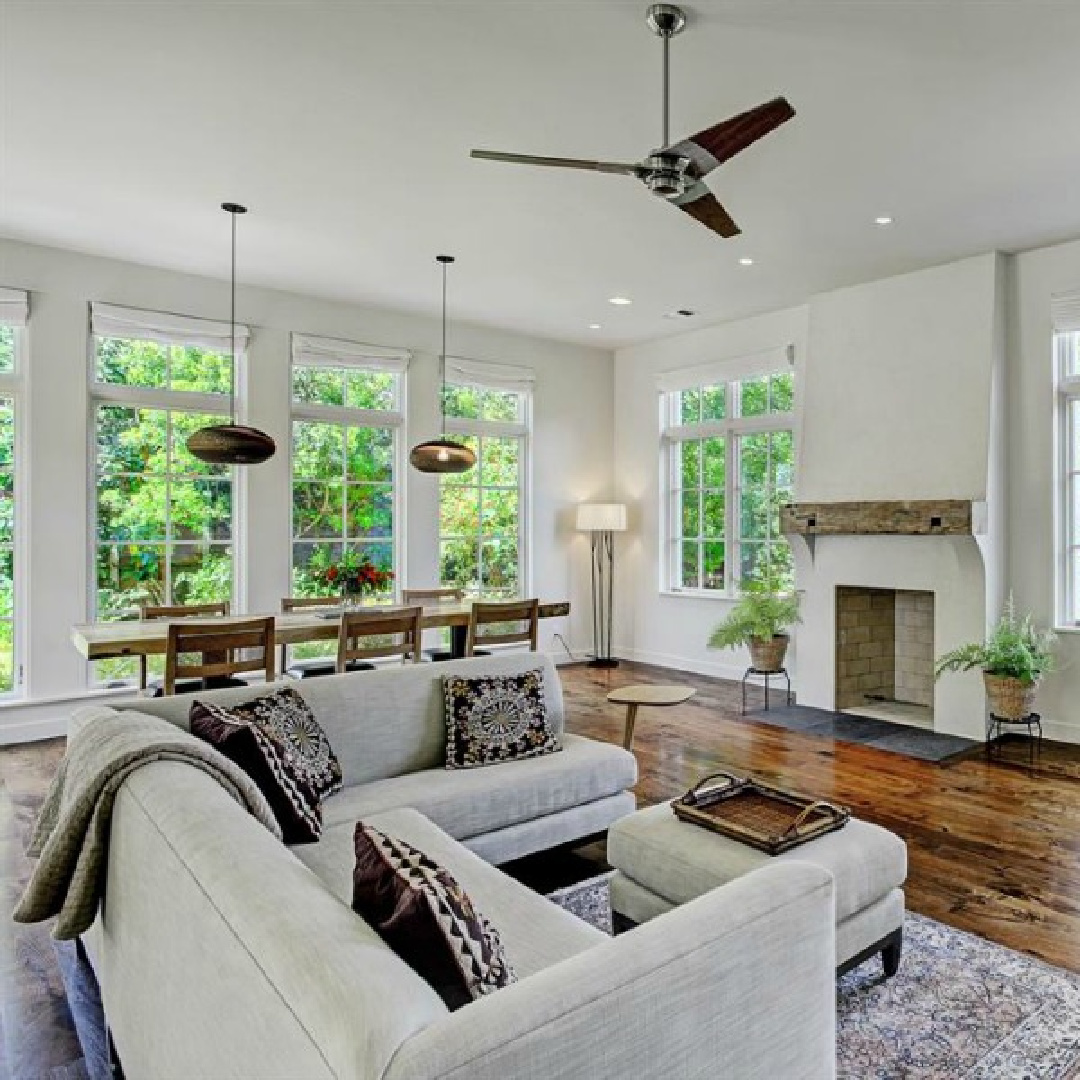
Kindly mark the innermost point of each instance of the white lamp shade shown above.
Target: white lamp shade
(601, 517)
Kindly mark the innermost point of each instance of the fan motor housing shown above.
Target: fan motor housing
(667, 175)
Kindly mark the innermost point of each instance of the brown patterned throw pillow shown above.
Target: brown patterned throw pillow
(277, 741)
(496, 718)
(418, 908)
(287, 718)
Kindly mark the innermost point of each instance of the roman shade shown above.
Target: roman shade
(311, 351)
(1065, 312)
(489, 376)
(14, 307)
(108, 320)
(764, 362)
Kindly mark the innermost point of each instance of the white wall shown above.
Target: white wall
(1036, 277)
(571, 459)
(649, 625)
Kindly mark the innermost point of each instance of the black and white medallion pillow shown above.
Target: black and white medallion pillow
(421, 911)
(287, 718)
(295, 805)
(495, 718)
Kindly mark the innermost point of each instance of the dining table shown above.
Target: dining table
(148, 637)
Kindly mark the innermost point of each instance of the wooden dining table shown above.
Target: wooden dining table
(148, 637)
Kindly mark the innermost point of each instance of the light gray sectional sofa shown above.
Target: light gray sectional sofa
(223, 953)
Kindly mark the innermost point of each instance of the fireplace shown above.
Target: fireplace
(885, 653)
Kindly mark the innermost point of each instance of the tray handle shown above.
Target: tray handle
(732, 780)
(793, 828)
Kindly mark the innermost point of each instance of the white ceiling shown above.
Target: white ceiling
(346, 128)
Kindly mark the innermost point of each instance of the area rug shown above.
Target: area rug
(960, 1008)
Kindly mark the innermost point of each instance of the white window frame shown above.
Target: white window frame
(167, 329)
(1067, 460)
(310, 351)
(480, 375)
(674, 432)
(14, 313)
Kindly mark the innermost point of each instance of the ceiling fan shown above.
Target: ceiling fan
(675, 171)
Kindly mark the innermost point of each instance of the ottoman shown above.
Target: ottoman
(662, 862)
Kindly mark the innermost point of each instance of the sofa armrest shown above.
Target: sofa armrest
(738, 983)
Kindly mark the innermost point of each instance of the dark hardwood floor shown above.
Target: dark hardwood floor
(993, 845)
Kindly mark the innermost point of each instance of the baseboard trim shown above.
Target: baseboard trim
(682, 663)
(29, 731)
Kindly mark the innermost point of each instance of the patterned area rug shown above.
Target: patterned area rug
(960, 1008)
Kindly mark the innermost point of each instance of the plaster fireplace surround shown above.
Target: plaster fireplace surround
(881, 567)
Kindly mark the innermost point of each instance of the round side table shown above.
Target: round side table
(633, 697)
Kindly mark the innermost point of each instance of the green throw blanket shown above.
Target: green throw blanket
(72, 832)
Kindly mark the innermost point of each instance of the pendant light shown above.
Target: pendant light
(442, 455)
(231, 443)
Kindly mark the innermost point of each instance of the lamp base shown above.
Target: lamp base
(604, 662)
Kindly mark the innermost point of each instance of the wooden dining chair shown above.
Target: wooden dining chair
(525, 613)
(404, 625)
(223, 651)
(428, 595)
(313, 666)
(173, 611)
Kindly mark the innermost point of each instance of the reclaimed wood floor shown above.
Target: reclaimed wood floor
(993, 845)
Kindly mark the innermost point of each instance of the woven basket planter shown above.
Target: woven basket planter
(1011, 699)
(767, 654)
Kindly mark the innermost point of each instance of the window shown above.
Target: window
(728, 464)
(483, 513)
(163, 520)
(14, 311)
(347, 432)
(1067, 350)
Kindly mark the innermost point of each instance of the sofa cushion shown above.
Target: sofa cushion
(535, 933)
(427, 918)
(469, 802)
(386, 722)
(265, 760)
(496, 718)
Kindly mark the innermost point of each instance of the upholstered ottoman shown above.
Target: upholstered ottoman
(662, 862)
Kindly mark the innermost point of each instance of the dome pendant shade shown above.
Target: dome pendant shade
(441, 456)
(231, 444)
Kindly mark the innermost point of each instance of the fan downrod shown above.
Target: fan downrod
(665, 20)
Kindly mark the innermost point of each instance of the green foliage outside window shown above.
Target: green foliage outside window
(164, 519)
(7, 526)
(479, 515)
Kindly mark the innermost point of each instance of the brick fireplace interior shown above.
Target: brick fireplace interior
(885, 654)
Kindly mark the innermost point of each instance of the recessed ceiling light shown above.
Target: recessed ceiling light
(681, 313)
(594, 326)
(746, 261)
(620, 301)
(883, 219)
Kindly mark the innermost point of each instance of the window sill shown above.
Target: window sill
(702, 594)
(1072, 629)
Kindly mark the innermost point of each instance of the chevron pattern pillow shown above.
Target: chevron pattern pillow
(423, 914)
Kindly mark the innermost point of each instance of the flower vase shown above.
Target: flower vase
(352, 598)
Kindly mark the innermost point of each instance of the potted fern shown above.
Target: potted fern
(1013, 658)
(760, 620)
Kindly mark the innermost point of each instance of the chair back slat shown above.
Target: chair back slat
(357, 626)
(418, 596)
(219, 648)
(182, 611)
(524, 612)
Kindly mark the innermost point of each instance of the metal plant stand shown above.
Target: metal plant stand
(996, 726)
(766, 675)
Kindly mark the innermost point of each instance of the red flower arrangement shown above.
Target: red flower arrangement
(355, 575)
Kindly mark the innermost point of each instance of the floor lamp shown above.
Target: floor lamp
(602, 521)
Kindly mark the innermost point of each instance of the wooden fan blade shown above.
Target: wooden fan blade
(701, 204)
(723, 141)
(558, 162)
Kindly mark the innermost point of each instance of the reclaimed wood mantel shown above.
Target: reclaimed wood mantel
(930, 517)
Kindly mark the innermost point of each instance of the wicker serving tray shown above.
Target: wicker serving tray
(767, 818)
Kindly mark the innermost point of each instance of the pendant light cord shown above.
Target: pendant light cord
(442, 357)
(232, 323)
